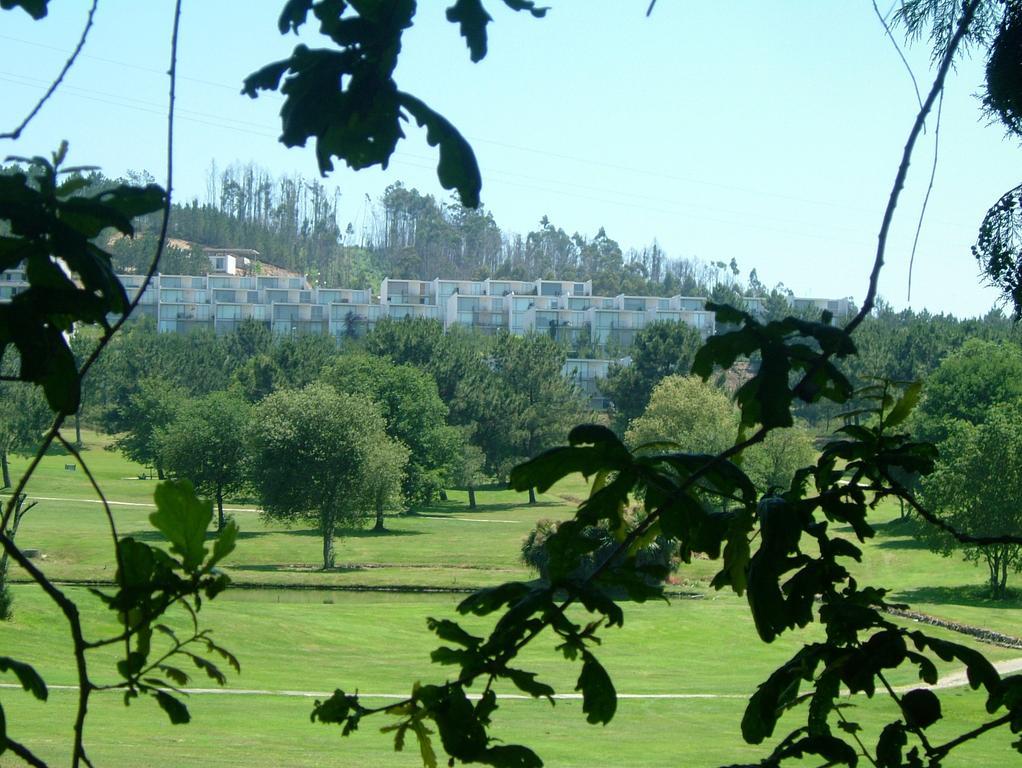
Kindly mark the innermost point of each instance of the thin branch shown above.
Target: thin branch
(968, 15)
(901, 55)
(24, 753)
(926, 199)
(920, 734)
(73, 450)
(16, 133)
(70, 611)
(855, 735)
(95, 486)
(936, 521)
(943, 749)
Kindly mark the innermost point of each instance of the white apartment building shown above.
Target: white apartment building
(288, 304)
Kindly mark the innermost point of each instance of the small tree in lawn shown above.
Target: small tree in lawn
(413, 413)
(661, 349)
(977, 488)
(687, 412)
(385, 476)
(23, 417)
(205, 443)
(468, 472)
(772, 464)
(148, 411)
(312, 456)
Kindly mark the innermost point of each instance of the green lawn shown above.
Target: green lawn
(378, 644)
(316, 639)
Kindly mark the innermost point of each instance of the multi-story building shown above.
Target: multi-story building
(288, 304)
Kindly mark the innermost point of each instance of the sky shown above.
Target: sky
(768, 131)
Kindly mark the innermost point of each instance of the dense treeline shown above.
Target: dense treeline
(444, 398)
(294, 223)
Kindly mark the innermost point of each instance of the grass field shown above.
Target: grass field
(316, 639)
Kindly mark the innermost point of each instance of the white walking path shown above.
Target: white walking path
(149, 505)
(956, 679)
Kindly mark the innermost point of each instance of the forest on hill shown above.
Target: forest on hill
(294, 223)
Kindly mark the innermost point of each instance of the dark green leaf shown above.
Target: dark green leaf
(457, 168)
(265, 79)
(490, 599)
(550, 466)
(452, 632)
(176, 710)
(599, 699)
(526, 5)
(527, 683)
(34, 8)
(921, 708)
(183, 518)
(293, 16)
(179, 676)
(212, 671)
(224, 544)
(27, 676)
(511, 756)
(903, 408)
(472, 18)
(890, 745)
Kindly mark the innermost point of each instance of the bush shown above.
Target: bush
(6, 603)
(659, 552)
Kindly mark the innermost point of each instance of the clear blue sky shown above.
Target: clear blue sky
(764, 130)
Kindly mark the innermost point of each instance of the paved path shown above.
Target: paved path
(149, 505)
(956, 679)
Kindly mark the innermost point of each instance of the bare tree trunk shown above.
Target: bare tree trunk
(471, 497)
(6, 469)
(219, 509)
(532, 495)
(326, 524)
(78, 428)
(19, 512)
(378, 528)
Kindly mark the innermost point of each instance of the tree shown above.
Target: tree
(775, 550)
(83, 344)
(660, 349)
(468, 471)
(965, 386)
(977, 489)
(150, 409)
(687, 412)
(23, 417)
(532, 404)
(205, 443)
(414, 414)
(313, 450)
(385, 477)
(772, 464)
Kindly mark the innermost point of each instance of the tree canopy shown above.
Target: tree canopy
(414, 415)
(977, 488)
(314, 451)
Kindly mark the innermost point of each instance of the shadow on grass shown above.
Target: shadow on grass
(296, 568)
(891, 534)
(156, 536)
(370, 533)
(973, 595)
(456, 508)
(902, 543)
